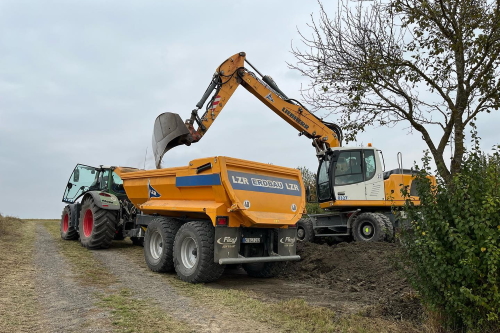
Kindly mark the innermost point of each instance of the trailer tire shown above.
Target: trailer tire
(159, 244)
(369, 227)
(97, 226)
(194, 253)
(264, 269)
(305, 230)
(389, 228)
(68, 232)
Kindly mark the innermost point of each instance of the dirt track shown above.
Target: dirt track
(347, 278)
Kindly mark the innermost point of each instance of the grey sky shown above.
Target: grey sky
(83, 81)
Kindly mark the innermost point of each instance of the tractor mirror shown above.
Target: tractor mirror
(169, 131)
(76, 175)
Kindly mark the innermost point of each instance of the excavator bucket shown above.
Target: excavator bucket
(169, 131)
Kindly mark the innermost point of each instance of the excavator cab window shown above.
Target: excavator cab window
(370, 167)
(324, 188)
(348, 168)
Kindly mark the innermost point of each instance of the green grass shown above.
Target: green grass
(134, 315)
(18, 304)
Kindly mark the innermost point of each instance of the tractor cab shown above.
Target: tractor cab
(86, 178)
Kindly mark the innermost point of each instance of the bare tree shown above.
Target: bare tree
(424, 62)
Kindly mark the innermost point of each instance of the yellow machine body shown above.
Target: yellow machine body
(250, 194)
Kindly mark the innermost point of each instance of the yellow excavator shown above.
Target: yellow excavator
(360, 197)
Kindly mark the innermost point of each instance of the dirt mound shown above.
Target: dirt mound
(360, 271)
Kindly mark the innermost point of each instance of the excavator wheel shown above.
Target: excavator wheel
(97, 226)
(305, 230)
(369, 227)
(68, 232)
(389, 228)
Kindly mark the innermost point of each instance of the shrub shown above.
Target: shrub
(452, 250)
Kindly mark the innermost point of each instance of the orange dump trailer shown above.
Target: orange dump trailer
(217, 211)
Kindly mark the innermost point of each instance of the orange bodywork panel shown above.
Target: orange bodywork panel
(251, 194)
(233, 73)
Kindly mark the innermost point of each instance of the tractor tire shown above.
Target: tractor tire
(369, 227)
(97, 226)
(305, 230)
(389, 228)
(139, 241)
(159, 244)
(264, 269)
(68, 232)
(194, 253)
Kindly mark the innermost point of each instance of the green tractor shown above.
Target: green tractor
(98, 209)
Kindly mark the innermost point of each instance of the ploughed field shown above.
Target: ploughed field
(52, 285)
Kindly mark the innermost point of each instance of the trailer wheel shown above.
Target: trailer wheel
(194, 253)
(305, 230)
(389, 229)
(159, 244)
(264, 269)
(369, 227)
(97, 226)
(68, 232)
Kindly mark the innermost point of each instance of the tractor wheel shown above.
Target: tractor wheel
(139, 241)
(68, 232)
(194, 253)
(369, 227)
(389, 229)
(97, 226)
(159, 244)
(305, 230)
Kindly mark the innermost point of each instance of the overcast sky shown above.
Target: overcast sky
(83, 81)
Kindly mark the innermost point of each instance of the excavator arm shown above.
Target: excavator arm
(227, 78)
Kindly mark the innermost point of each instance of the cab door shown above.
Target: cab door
(324, 188)
(373, 171)
(347, 172)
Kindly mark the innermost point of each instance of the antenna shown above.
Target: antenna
(145, 155)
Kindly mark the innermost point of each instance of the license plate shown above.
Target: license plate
(250, 240)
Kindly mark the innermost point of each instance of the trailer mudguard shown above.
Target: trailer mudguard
(103, 200)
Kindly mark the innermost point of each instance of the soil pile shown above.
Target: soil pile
(360, 271)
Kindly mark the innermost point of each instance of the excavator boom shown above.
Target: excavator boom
(227, 78)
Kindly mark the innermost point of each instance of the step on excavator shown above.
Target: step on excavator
(362, 201)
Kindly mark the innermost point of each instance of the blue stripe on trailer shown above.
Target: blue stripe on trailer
(201, 180)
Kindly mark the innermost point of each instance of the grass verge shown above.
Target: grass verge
(135, 315)
(18, 304)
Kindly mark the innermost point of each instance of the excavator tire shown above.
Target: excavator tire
(369, 227)
(159, 244)
(194, 253)
(389, 228)
(305, 230)
(68, 232)
(97, 226)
